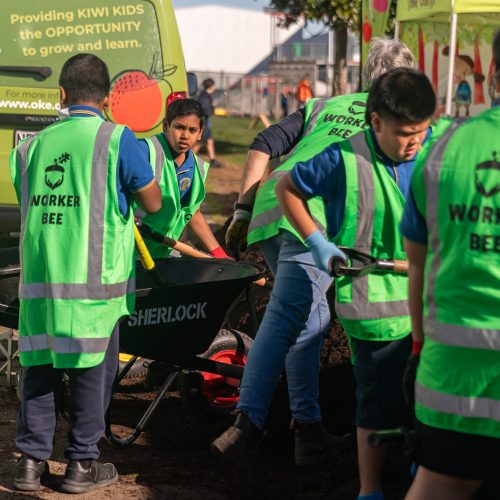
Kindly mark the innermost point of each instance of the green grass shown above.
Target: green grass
(233, 137)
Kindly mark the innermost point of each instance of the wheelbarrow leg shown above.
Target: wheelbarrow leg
(144, 420)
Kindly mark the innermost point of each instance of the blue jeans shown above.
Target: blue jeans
(290, 335)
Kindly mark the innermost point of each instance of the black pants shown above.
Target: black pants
(91, 390)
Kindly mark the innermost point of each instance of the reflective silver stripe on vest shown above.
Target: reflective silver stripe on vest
(63, 345)
(360, 308)
(93, 289)
(160, 158)
(469, 407)
(318, 107)
(22, 165)
(462, 336)
(274, 215)
(455, 335)
(201, 166)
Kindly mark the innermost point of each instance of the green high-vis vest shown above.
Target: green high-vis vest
(456, 186)
(327, 121)
(375, 306)
(77, 249)
(172, 218)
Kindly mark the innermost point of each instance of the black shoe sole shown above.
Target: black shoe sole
(76, 487)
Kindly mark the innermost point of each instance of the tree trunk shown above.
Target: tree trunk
(340, 68)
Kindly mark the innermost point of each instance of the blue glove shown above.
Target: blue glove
(323, 251)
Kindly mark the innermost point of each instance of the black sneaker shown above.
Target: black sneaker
(86, 475)
(28, 473)
(215, 164)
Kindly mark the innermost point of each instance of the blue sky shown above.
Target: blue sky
(250, 4)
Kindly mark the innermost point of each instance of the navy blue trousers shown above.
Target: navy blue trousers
(91, 390)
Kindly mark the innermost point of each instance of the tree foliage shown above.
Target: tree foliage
(337, 14)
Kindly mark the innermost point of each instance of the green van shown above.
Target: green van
(138, 40)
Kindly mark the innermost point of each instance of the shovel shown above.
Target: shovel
(362, 264)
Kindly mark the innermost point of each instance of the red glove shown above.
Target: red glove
(219, 253)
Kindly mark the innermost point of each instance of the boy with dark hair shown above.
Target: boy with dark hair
(77, 280)
(364, 182)
(207, 107)
(181, 176)
(454, 279)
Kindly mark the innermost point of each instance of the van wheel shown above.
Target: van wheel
(209, 397)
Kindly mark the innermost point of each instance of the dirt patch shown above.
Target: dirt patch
(171, 458)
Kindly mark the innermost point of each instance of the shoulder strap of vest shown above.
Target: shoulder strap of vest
(159, 155)
(312, 113)
(203, 166)
(365, 199)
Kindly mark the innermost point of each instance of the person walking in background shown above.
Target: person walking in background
(207, 107)
(454, 281)
(363, 182)
(304, 91)
(285, 103)
(78, 272)
(284, 339)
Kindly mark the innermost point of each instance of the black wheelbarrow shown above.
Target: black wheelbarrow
(178, 321)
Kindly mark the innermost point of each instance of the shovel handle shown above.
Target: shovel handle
(142, 250)
(400, 266)
(183, 248)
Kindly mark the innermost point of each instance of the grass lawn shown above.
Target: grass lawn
(233, 137)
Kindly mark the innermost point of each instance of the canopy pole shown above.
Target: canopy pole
(396, 30)
(451, 65)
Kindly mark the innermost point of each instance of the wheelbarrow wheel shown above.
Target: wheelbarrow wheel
(209, 397)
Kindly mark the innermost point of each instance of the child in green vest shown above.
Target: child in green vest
(364, 182)
(451, 236)
(181, 176)
(77, 280)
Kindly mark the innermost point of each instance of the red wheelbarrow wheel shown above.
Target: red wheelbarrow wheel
(209, 397)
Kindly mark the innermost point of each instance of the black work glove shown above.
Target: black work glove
(409, 378)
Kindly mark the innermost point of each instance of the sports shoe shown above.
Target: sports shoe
(238, 446)
(215, 164)
(86, 475)
(312, 441)
(29, 472)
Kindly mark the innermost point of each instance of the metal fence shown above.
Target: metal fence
(249, 95)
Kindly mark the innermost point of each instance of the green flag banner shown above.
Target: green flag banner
(374, 20)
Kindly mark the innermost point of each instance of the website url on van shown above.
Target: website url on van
(39, 104)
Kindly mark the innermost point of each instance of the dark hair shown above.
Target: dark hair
(184, 107)
(209, 82)
(85, 78)
(403, 94)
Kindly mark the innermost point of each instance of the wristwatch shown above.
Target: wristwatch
(243, 206)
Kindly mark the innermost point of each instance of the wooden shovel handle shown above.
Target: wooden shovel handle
(188, 250)
(401, 266)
